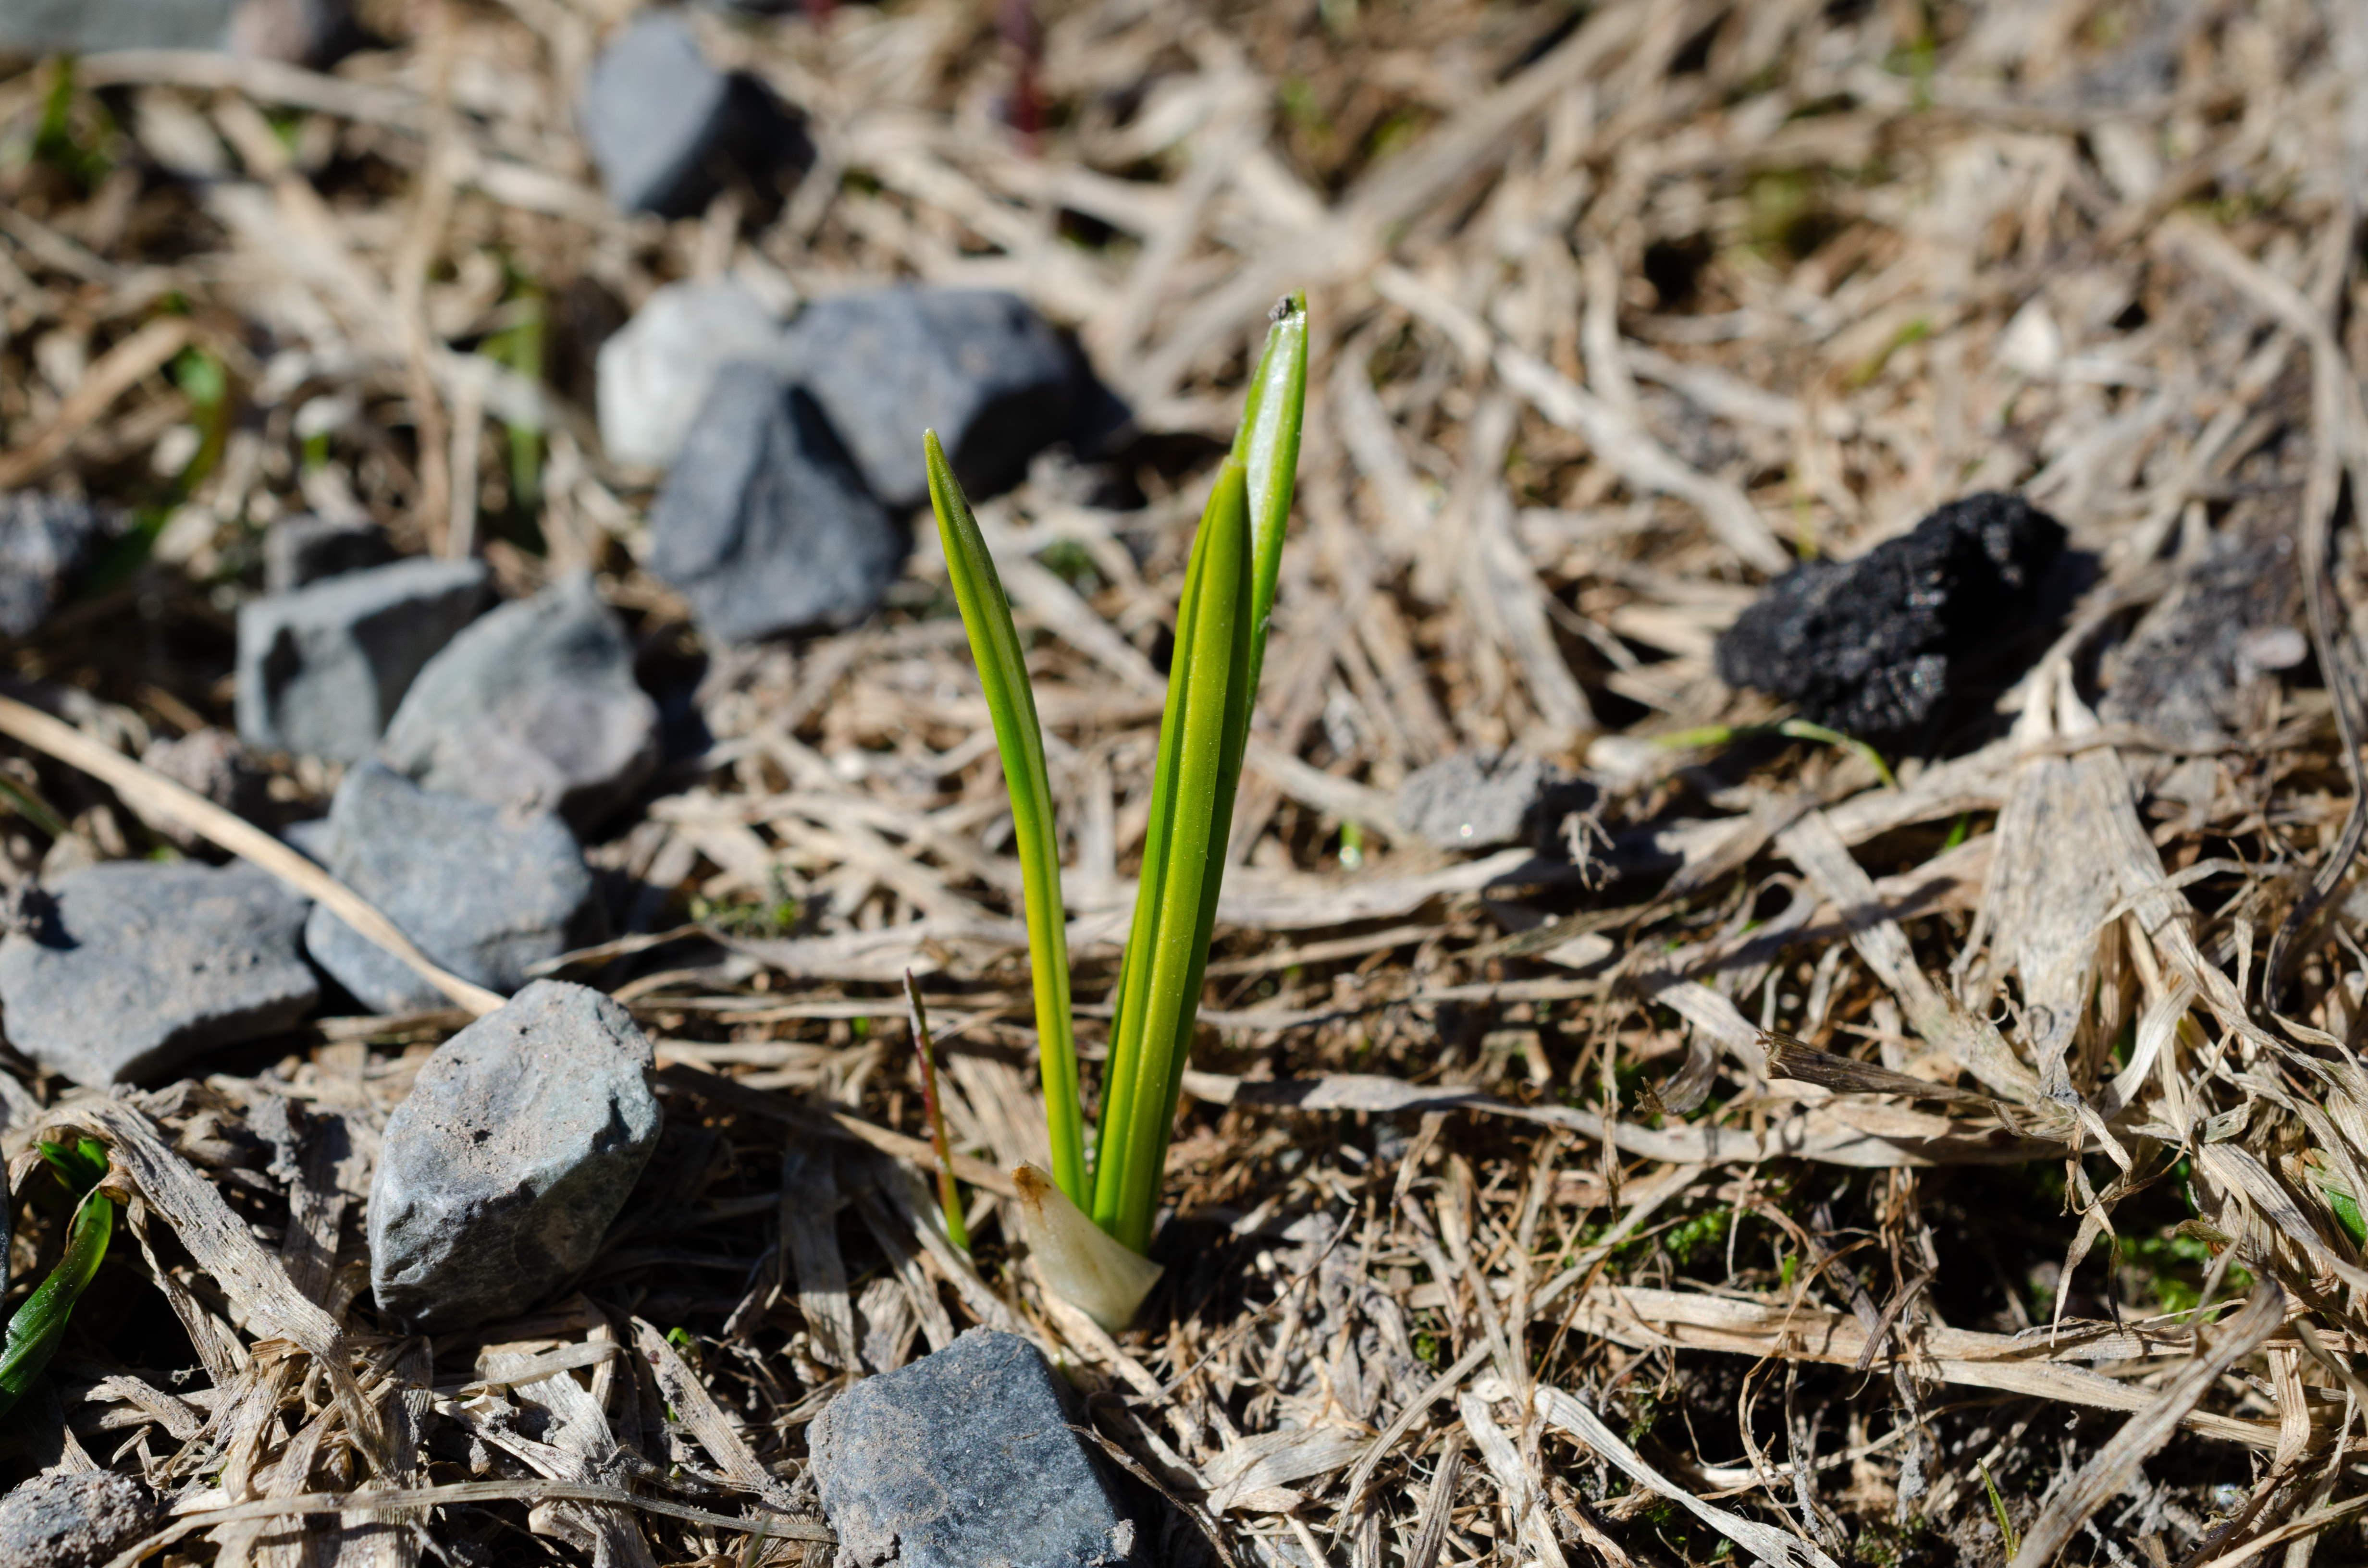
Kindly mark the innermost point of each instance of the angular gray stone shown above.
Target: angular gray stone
(73, 1519)
(305, 549)
(655, 372)
(523, 1137)
(1473, 800)
(763, 524)
(320, 668)
(979, 367)
(484, 891)
(652, 111)
(47, 545)
(965, 1459)
(143, 965)
(533, 705)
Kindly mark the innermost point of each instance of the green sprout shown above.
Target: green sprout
(1228, 598)
(38, 1324)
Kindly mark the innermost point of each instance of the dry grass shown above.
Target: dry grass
(1477, 1256)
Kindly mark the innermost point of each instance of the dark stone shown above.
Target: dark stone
(76, 1519)
(1872, 647)
(212, 763)
(532, 706)
(305, 549)
(522, 1137)
(2194, 666)
(484, 891)
(47, 545)
(965, 1458)
(763, 524)
(653, 113)
(320, 668)
(145, 965)
(979, 367)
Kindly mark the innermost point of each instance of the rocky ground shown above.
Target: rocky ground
(1790, 977)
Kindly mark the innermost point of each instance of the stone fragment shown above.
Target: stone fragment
(1873, 646)
(305, 549)
(1476, 800)
(47, 545)
(979, 367)
(72, 1519)
(963, 1460)
(292, 30)
(521, 1140)
(653, 373)
(2195, 666)
(652, 114)
(320, 668)
(484, 891)
(533, 705)
(212, 763)
(764, 525)
(145, 965)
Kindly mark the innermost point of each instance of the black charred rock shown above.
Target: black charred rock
(1874, 646)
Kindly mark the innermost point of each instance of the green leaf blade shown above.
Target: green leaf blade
(1019, 740)
(1267, 446)
(1201, 740)
(39, 1323)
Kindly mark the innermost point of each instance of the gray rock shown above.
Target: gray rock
(979, 367)
(965, 1459)
(322, 667)
(305, 549)
(653, 112)
(213, 764)
(655, 372)
(484, 891)
(1473, 800)
(144, 965)
(47, 545)
(533, 705)
(271, 30)
(523, 1137)
(77, 1519)
(764, 525)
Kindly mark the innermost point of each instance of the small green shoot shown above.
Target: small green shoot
(1997, 1507)
(38, 1324)
(948, 1195)
(1222, 621)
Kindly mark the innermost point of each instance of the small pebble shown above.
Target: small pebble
(763, 524)
(654, 111)
(484, 891)
(320, 668)
(521, 1139)
(142, 966)
(532, 706)
(73, 1519)
(979, 367)
(963, 1458)
(655, 372)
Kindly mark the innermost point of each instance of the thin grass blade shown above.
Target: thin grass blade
(1020, 739)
